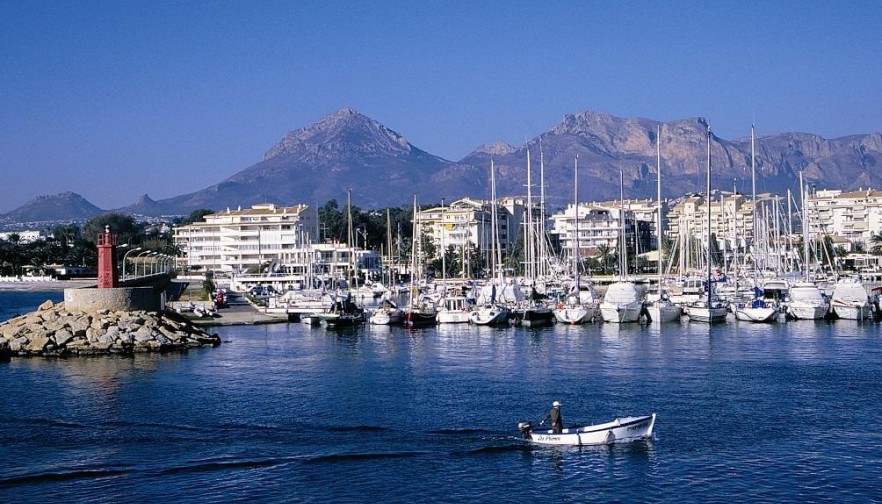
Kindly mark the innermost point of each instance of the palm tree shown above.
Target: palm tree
(876, 244)
(605, 253)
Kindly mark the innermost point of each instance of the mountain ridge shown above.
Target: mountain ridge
(347, 150)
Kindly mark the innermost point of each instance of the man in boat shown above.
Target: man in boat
(556, 418)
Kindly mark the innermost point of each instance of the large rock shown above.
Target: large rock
(55, 331)
(38, 343)
(62, 337)
(47, 305)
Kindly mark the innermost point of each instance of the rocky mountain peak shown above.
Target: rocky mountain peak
(61, 206)
(144, 199)
(499, 148)
(343, 133)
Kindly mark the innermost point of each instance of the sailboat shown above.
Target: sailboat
(343, 312)
(531, 312)
(421, 311)
(757, 310)
(623, 301)
(490, 309)
(807, 301)
(708, 308)
(580, 305)
(661, 310)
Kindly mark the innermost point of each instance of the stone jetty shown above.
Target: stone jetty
(52, 331)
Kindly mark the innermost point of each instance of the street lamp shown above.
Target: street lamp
(116, 252)
(124, 260)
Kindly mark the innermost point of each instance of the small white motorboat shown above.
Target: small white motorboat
(620, 430)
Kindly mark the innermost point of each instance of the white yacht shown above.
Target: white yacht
(623, 302)
(807, 302)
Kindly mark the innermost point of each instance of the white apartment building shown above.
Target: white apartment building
(853, 216)
(468, 220)
(242, 239)
(599, 226)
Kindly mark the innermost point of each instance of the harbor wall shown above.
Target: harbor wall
(113, 299)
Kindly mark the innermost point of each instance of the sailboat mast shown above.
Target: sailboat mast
(708, 195)
(493, 245)
(389, 243)
(414, 252)
(576, 221)
(805, 243)
(542, 266)
(623, 255)
(349, 238)
(753, 196)
(528, 249)
(658, 219)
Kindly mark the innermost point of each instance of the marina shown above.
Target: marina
(763, 412)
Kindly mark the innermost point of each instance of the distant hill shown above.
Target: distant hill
(347, 150)
(55, 207)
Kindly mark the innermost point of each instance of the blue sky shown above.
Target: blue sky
(114, 99)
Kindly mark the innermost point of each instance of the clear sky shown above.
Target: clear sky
(114, 99)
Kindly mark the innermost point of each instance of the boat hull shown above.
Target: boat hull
(418, 319)
(620, 430)
(852, 311)
(394, 317)
(575, 315)
(453, 317)
(806, 311)
(489, 316)
(534, 317)
(712, 315)
(620, 314)
(761, 315)
(663, 313)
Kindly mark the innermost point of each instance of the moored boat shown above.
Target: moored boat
(807, 302)
(388, 313)
(622, 303)
(850, 300)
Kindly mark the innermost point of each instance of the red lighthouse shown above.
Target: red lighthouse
(108, 276)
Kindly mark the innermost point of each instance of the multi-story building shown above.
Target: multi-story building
(600, 225)
(853, 216)
(469, 221)
(243, 239)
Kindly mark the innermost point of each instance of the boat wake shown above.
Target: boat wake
(224, 465)
(357, 428)
(353, 457)
(485, 450)
(57, 476)
(461, 431)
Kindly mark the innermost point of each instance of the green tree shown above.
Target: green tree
(123, 226)
(876, 244)
(605, 253)
(197, 215)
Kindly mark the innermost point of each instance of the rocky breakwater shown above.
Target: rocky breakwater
(52, 331)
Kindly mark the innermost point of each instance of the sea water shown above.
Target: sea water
(290, 413)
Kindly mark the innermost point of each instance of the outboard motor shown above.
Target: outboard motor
(525, 428)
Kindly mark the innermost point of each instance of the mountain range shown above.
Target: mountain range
(349, 151)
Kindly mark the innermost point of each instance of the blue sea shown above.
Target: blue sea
(289, 413)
